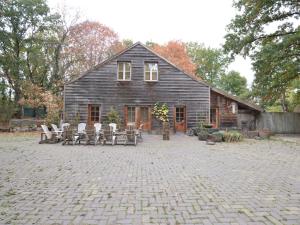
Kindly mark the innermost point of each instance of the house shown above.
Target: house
(135, 79)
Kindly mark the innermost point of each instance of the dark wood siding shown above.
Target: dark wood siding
(100, 87)
(226, 117)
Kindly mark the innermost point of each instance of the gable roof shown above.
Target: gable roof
(251, 105)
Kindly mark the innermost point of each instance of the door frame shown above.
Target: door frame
(89, 122)
(138, 115)
(174, 117)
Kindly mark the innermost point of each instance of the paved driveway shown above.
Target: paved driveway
(181, 181)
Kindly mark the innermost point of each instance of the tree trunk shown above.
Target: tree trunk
(283, 103)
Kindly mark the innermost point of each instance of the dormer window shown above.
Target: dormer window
(124, 71)
(151, 71)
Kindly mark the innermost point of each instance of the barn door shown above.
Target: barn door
(180, 118)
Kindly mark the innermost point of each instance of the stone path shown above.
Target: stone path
(182, 181)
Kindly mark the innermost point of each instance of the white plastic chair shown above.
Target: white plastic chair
(113, 127)
(80, 132)
(98, 127)
(57, 131)
(50, 137)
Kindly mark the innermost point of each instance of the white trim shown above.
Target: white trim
(124, 71)
(151, 80)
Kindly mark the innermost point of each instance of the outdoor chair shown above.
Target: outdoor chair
(80, 135)
(68, 136)
(108, 137)
(131, 137)
(91, 137)
(57, 131)
(48, 136)
(98, 127)
(113, 127)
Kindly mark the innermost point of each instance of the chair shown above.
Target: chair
(57, 131)
(68, 136)
(113, 127)
(98, 127)
(108, 137)
(131, 137)
(91, 137)
(48, 136)
(80, 135)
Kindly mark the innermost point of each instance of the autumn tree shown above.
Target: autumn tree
(211, 63)
(87, 44)
(176, 52)
(268, 32)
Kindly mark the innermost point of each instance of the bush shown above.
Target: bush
(7, 111)
(202, 135)
(216, 136)
(233, 136)
(112, 117)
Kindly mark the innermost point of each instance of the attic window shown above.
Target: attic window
(124, 71)
(151, 71)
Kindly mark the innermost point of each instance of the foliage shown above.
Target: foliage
(87, 44)
(234, 83)
(160, 112)
(216, 136)
(202, 134)
(25, 37)
(268, 32)
(176, 52)
(232, 136)
(211, 63)
(36, 97)
(112, 117)
(7, 110)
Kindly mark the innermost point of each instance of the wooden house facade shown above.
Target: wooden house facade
(132, 81)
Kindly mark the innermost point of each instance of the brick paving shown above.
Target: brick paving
(181, 181)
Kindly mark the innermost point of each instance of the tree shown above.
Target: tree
(234, 83)
(87, 44)
(211, 62)
(268, 32)
(25, 28)
(176, 52)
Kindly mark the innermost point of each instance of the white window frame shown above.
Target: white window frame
(151, 80)
(124, 71)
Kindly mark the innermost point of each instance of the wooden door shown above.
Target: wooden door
(180, 118)
(215, 117)
(137, 115)
(145, 117)
(93, 114)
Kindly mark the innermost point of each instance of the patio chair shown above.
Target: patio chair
(91, 137)
(48, 136)
(98, 127)
(113, 127)
(80, 135)
(108, 137)
(68, 136)
(57, 131)
(131, 137)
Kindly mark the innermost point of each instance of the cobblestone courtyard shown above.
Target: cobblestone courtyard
(181, 181)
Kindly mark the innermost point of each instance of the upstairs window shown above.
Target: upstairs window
(151, 71)
(124, 71)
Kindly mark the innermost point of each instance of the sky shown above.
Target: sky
(160, 21)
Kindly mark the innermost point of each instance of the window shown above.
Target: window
(179, 114)
(131, 114)
(94, 111)
(124, 71)
(151, 71)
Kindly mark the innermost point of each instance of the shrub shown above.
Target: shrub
(202, 134)
(216, 136)
(112, 117)
(7, 110)
(160, 112)
(233, 136)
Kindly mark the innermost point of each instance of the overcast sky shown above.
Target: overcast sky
(163, 20)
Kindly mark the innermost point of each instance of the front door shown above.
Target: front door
(137, 115)
(180, 118)
(93, 114)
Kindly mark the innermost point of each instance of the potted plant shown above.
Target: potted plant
(160, 112)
